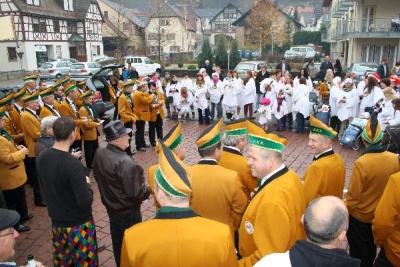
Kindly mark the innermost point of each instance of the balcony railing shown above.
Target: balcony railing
(368, 27)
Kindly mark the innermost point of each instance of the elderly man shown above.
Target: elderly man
(69, 197)
(225, 200)
(30, 83)
(8, 236)
(141, 101)
(232, 158)
(48, 108)
(325, 221)
(68, 108)
(173, 140)
(121, 183)
(58, 94)
(31, 127)
(16, 112)
(271, 221)
(326, 175)
(177, 236)
(367, 182)
(12, 175)
(386, 225)
(208, 68)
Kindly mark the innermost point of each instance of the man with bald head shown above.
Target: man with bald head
(325, 221)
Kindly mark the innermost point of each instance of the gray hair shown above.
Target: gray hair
(266, 153)
(170, 199)
(323, 226)
(230, 140)
(47, 122)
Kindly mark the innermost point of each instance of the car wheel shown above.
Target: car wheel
(58, 76)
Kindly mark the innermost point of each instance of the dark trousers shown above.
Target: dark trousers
(30, 168)
(206, 117)
(382, 260)
(115, 116)
(139, 135)
(16, 200)
(90, 148)
(248, 109)
(361, 241)
(2, 201)
(335, 123)
(300, 122)
(155, 126)
(77, 144)
(289, 119)
(281, 123)
(118, 224)
(129, 125)
(219, 110)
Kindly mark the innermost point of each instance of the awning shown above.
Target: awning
(40, 48)
(76, 38)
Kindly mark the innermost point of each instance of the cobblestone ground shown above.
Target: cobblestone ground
(38, 240)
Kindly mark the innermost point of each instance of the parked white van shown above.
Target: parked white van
(143, 65)
(305, 51)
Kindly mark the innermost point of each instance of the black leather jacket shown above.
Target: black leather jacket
(120, 180)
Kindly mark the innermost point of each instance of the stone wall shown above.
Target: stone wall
(13, 75)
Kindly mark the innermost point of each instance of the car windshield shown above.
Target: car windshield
(365, 67)
(77, 66)
(46, 65)
(245, 66)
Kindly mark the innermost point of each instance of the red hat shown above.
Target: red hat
(395, 79)
(376, 76)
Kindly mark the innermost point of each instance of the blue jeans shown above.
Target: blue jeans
(118, 224)
(258, 99)
(206, 116)
(219, 110)
(300, 123)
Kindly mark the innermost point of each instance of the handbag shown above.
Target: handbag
(208, 96)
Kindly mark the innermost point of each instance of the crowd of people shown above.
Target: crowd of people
(255, 204)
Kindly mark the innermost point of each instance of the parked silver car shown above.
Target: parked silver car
(360, 68)
(244, 66)
(84, 68)
(53, 70)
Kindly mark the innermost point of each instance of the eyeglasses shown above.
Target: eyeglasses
(10, 233)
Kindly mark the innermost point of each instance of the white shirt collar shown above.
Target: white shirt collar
(209, 159)
(234, 148)
(272, 173)
(317, 156)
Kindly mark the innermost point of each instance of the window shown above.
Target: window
(33, 2)
(106, 14)
(229, 13)
(98, 50)
(35, 25)
(164, 22)
(56, 26)
(42, 25)
(174, 48)
(81, 50)
(152, 36)
(153, 49)
(171, 36)
(147, 61)
(58, 51)
(12, 53)
(71, 26)
(137, 60)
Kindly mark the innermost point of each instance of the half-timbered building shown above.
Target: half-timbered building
(44, 30)
(222, 23)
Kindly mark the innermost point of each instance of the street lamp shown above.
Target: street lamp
(89, 33)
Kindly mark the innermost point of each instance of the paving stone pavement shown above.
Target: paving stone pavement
(38, 240)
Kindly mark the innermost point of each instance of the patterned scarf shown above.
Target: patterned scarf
(91, 110)
(7, 136)
(129, 98)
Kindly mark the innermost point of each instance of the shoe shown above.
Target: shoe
(141, 149)
(27, 218)
(147, 145)
(22, 228)
(40, 204)
(255, 111)
(100, 246)
(153, 144)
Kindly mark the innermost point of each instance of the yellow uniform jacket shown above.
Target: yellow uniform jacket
(79, 100)
(141, 102)
(235, 161)
(271, 222)
(368, 179)
(112, 92)
(12, 168)
(151, 172)
(386, 224)
(57, 103)
(217, 193)
(90, 129)
(325, 177)
(125, 109)
(48, 111)
(16, 118)
(158, 110)
(31, 127)
(66, 110)
(178, 237)
(11, 129)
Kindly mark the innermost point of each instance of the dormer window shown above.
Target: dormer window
(69, 5)
(33, 2)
